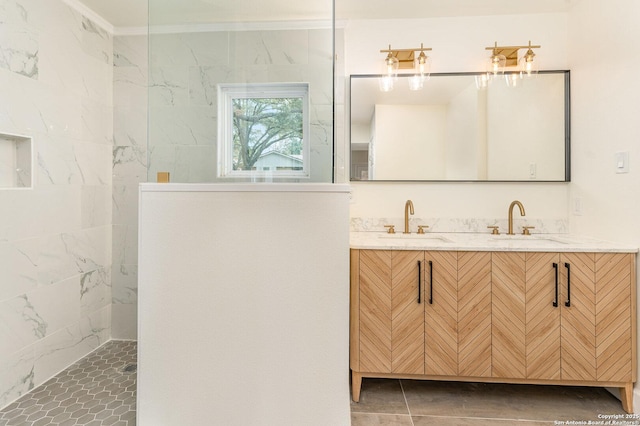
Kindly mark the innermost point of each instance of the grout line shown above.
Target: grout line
(404, 395)
(504, 419)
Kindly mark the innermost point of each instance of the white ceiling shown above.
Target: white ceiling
(133, 13)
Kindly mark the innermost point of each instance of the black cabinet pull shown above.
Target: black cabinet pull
(555, 301)
(430, 282)
(419, 281)
(568, 302)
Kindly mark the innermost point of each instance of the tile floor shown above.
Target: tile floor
(422, 403)
(99, 391)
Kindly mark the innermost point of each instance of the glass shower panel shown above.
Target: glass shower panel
(241, 91)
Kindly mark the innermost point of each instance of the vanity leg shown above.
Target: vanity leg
(356, 384)
(626, 395)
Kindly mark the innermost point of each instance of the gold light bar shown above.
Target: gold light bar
(405, 57)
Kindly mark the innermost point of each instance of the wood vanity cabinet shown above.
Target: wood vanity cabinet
(512, 317)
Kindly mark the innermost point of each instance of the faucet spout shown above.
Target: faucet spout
(521, 207)
(408, 209)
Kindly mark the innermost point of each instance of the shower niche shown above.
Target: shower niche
(16, 161)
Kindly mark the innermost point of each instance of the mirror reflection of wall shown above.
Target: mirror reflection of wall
(454, 132)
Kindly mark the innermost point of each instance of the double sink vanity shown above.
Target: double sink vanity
(523, 308)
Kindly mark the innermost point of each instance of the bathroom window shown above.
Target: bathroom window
(263, 130)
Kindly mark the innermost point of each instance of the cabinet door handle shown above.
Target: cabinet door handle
(419, 281)
(568, 302)
(555, 301)
(430, 282)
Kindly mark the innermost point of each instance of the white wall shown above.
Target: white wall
(55, 240)
(421, 130)
(540, 133)
(605, 106)
(466, 155)
(251, 327)
(458, 45)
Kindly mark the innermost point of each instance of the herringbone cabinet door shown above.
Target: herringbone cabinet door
(407, 315)
(543, 319)
(508, 315)
(375, 311)
(578, 321)
(441, 316)
(474, 314)
(613, 317)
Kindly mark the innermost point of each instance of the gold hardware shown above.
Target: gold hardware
(525, 230)
(163, 177)
(408, 207)
(511, 52)
(391, 229)
(405, 57)
(521, 207)
(421, 228)
(495, 230)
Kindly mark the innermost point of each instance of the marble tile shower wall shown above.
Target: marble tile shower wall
(185, 69)
(130, 79)
(55, 239)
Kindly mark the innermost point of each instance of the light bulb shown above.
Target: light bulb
(528, 64)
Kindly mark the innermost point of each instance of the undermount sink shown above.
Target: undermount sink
(424, 237)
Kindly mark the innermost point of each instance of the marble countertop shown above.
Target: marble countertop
(484, 242)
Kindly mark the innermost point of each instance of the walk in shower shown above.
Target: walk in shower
(241, 91)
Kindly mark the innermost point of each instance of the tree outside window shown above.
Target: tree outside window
(263, 130)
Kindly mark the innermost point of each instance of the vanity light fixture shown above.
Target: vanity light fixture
(389, 70)
(505, 57)
(405, 59)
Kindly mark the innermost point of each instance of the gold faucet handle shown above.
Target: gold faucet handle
(525, 230)
(421, 228)
(391, 229)
(495, 230)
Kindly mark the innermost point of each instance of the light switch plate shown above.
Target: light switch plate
(622, 162)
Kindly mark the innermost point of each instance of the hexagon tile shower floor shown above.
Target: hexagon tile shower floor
(98, 390)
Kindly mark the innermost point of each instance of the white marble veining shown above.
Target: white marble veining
(483, 242)
(476, 225)
(17, 373)
(186, 69)
(125, 284)
(56, 83)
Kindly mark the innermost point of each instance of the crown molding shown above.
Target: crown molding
(240, 26)
(89, 13)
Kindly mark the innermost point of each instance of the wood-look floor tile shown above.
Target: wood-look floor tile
(381, 396)
(465, 421)
(513, 402)
(371, 419)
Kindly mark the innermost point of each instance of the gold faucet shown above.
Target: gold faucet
(408, 207)
(521, 207)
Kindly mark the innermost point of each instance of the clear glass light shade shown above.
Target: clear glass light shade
(416, 82)
(482, 81)
(390, 66)
(385, 83)
(528, 64)
(422, 65)
(495, 65)
(389, 73)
